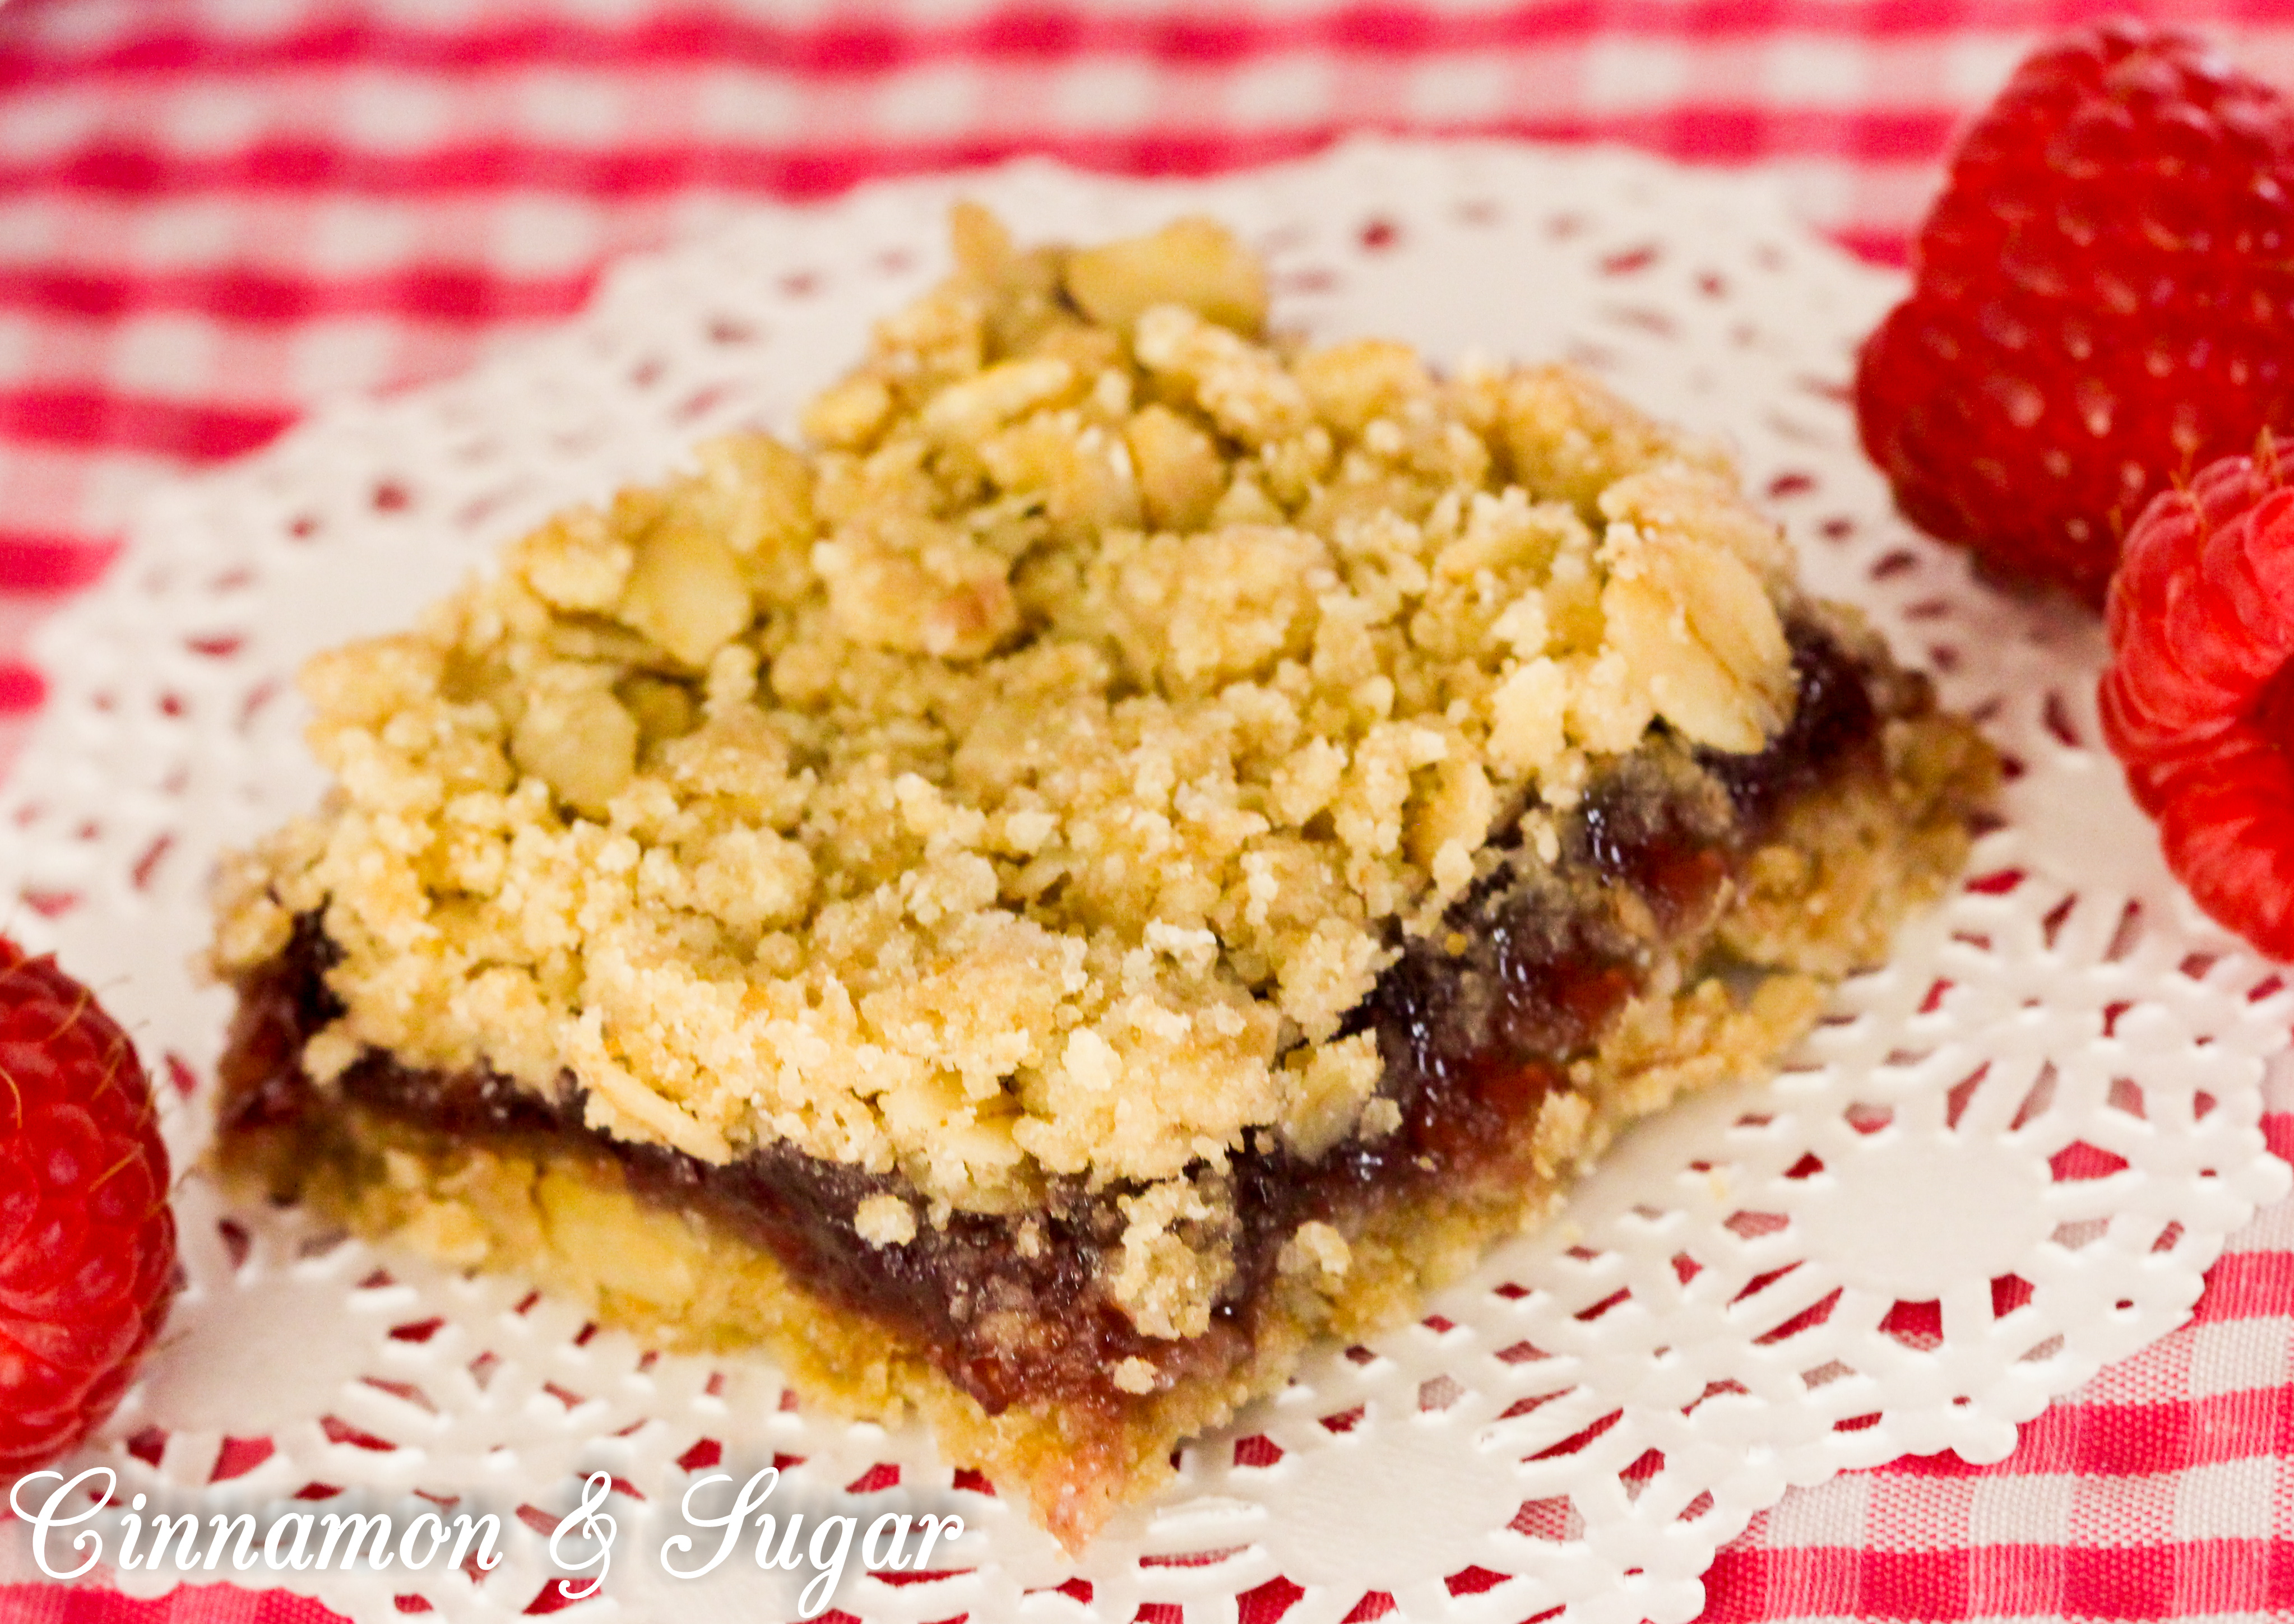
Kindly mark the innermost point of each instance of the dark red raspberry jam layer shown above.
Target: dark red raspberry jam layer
(1475, 1029)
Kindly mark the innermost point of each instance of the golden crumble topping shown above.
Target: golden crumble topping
(1024, 782)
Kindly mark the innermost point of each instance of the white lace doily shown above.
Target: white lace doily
(2002, 1161)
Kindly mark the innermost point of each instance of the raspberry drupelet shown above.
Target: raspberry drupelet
(87, 1244)
(2103, 303)
(2197, 702)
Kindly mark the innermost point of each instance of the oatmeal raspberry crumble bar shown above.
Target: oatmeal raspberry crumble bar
(1147, 845)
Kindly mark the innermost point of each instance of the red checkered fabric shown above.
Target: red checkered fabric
(214, 216)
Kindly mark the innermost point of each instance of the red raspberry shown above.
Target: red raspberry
(87, 1246)
(2102, 302)
(2198, 702)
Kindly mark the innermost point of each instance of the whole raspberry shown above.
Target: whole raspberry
(87, 1246)
(2102, 302)
(2198, 702)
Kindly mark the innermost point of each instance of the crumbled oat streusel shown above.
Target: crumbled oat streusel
(1026, 781)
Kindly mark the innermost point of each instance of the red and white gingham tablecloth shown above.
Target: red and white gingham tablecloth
(215, 215)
